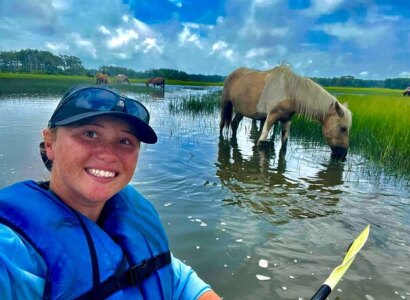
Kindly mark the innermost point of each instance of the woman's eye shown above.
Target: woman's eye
(125, 142)
(90, 133)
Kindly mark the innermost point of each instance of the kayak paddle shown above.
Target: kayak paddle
(340, 270)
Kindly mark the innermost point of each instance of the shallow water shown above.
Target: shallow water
(238, 213)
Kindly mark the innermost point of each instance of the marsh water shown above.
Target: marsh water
(254, 222)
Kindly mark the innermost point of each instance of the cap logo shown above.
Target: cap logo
(121, 103)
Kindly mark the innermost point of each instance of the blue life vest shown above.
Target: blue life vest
(125, 252)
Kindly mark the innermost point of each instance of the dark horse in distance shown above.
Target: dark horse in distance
(156, 81)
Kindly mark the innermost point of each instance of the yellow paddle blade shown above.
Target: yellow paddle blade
(354, 248)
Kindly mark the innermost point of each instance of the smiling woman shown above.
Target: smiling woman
(91, 147)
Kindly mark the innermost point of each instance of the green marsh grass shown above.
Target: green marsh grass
(195, 104)
(380, 131)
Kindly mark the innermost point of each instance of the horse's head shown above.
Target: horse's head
(336, 128)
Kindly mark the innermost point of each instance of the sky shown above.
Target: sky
(367, 39)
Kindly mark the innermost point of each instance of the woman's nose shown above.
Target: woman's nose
(107, 152)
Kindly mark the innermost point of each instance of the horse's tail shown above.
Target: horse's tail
(226, 108)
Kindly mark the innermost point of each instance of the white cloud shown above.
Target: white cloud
(104, 30)
(229, 54)
(120, 55)
(57, 47)
(218, 46)
(84, 44)
(257, 52)
(188, 37)
(122, 38)
(322, 7)
(151, 44)
(364, 36)
(405, 74)
(364, 73)
(60, 4)
(142, 28)
(177, 3)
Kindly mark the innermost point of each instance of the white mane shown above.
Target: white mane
(311, 99)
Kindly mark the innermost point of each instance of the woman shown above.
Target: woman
(87, 234)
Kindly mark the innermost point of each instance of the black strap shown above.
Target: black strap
(137, 274)
(124, 278)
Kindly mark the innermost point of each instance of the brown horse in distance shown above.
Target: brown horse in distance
(159, 81)
(102, 79)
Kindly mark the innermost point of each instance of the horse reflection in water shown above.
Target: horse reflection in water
(261, 182)
(277, 95)
(158, 94)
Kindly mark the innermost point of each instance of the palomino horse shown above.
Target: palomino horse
(122, 78)
(156, 81)
(277, 95)
(102, 78)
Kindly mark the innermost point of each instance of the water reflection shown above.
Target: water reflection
(263, 182)
(157, 94)
(329, 177)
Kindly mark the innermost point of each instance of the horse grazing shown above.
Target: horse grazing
(90, 75)
(156, 81)
(277, 95)
(406, 92)
(102, 78)
(122, 78)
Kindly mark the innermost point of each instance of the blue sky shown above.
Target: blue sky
(367, 39)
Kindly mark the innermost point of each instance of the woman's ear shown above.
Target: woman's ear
(49, 138)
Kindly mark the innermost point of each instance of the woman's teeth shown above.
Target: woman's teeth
(101, 173)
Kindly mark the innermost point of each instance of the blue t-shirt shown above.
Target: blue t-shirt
(23, 272)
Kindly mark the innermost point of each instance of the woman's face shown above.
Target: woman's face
(91, 162)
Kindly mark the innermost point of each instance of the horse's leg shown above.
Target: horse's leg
(267, 126)
(235, 123)
(285, 132)
(262, 123)
(222, 121)
(226, 113)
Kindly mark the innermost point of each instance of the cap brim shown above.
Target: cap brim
(144, 132)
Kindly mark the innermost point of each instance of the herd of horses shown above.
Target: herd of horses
(103, 78)
(274, 96)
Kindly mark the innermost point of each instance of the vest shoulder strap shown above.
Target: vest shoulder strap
(123, 278)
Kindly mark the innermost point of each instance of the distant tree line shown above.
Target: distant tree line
(36, 61)
(44, 62)
(166, 73)
(350, 81)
